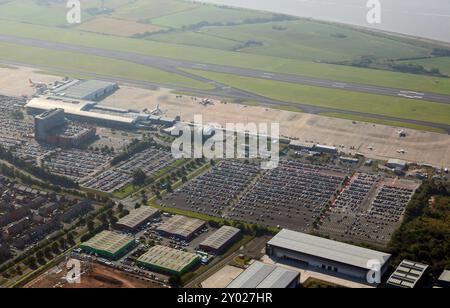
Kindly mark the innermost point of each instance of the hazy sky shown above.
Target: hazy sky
(426, 18)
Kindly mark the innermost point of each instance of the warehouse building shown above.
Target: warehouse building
(168, 260)
(301, 146)
(408, 275)
(181, 227)
(93, 90)
(260, 275)
(109, 244)
(47, 121)
(333, 257)
(137, 218)
(220, 240)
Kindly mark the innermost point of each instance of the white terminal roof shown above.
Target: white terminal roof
(84, 88)
(137, 216)
(260, 275)
(221, 237)
(75, 108)
(327, 249)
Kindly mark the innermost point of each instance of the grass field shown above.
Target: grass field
(307, 40)
(206, 55)
(383, 122)
(117, 27)
(442, 63)
(207, 13)
(144, 10)
(338, 99)
(89, 64)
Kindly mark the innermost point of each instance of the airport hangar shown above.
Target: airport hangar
(137, 218)
(109, 244)
(330, 256)
(93, 90)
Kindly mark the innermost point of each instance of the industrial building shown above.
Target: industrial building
(137, 218)
(301, 146)
(408, 275)
(81, 110)
(260, 275)
(90, 111)
(93, 90)
(168, 260)
(109, 244)
(334, 257)
(397, 164)
(181, 227)
(325, 149)
(220, 240)
(45, 122)
(311, 147)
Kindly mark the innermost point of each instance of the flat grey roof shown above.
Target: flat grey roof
(181, 225)
(260, 275)
(86, 87)
(407, 274)
(137, 217)
(221, 237)
(327, 249)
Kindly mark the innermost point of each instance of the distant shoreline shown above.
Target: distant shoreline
(345, 24)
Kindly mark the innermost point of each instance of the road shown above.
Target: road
(252, 248)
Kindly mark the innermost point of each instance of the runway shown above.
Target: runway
(173, 65)
(223, 93)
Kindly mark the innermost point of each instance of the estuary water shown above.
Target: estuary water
(422, 18)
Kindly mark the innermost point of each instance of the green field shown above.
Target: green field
(207, 13)
(442, 63)
(207, 55)
(88, 64)
(338, 99)
(307, 40)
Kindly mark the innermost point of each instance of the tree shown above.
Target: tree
(175, 281)
(90, 225)
(139, 178)
(120, 207)
(55, 247)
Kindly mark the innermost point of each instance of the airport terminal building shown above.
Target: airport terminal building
(334, 258)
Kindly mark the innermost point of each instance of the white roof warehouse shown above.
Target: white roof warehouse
(331, 256)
